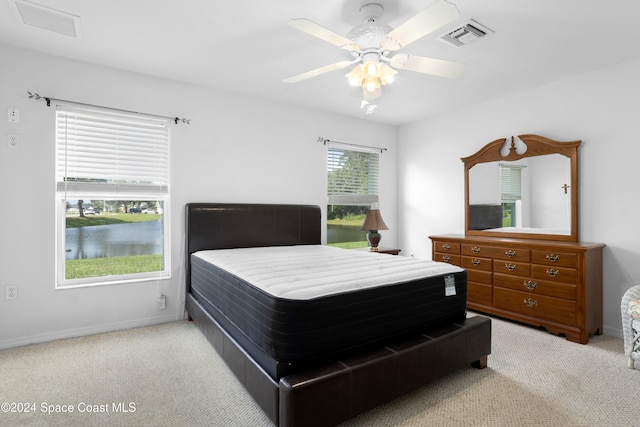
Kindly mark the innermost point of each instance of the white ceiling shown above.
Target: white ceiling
(246, 46)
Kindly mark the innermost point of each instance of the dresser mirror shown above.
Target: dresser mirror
(526, 187)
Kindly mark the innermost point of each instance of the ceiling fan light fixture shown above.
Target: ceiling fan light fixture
(371, 84)
(372, 68)
(355, 76)
(371, 43)
(371, 76)
(387, 74)
(371, 92)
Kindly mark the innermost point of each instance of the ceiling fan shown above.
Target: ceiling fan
(373, 46)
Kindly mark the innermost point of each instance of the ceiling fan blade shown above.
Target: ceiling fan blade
(323, 33)
(420, 64)
(438, 14)
(327, 68)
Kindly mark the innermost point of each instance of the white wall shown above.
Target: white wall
(600, 108)
(236, 149)
(242, 149)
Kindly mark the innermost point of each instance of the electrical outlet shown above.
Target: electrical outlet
(12, 140)
(162, 302)
(10, 292)
(13, 115)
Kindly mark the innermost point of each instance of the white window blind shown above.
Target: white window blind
(352, 177)
(511, 182)
(110, 153)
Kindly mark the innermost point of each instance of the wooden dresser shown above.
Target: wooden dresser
(556, 285)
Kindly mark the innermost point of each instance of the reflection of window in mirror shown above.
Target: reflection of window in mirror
(511, 195)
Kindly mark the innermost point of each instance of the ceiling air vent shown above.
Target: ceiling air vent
(466, 34)
(46, 18)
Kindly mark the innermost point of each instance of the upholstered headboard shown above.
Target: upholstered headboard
(237, 225)
(482, 217)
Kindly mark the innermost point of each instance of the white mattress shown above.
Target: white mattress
(310, 271)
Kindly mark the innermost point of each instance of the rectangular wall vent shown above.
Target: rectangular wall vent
(466, 34)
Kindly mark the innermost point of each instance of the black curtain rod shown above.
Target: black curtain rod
(326, 141)
(48, 99)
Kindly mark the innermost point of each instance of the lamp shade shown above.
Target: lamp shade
(374, 221)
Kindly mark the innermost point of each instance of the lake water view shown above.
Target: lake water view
(101, 241)
(345, 233)
(145, 238)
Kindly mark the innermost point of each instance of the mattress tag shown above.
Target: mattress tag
(449, 285)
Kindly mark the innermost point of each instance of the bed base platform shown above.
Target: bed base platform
(335, 392)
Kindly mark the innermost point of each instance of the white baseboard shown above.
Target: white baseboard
(92, 330)
(612, 332)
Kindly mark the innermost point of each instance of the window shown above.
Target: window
(352, 189)
(511, 193)
(112, 190)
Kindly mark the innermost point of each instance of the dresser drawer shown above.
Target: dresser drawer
(512, 254)
(446, 247)
(554, 274)
(479, 294)
(559, 259)
(535, 286)
(479, 276)
(520, 255)
(511, 267)
(478, 250)
(538, 306)
(476, 263)
(451, 259)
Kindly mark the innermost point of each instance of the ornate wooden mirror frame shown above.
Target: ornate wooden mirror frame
(535, 146)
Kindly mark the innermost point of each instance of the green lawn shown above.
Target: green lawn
(98, 267)
(109, 218)
(350, 245)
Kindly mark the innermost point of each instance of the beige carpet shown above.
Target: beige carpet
(169, 375)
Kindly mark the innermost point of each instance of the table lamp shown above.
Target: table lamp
(372, 223)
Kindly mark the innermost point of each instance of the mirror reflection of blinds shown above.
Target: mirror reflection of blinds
(510, 182)
(111, 153)
(352, 177)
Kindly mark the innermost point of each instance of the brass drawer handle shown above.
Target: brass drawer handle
(510, 267)
(553, 272)
(475, 250)
(530, 285)
(446, 258)
(510, 253)
(446, 247)
(475, 262)
(530, 302)
(553, 257)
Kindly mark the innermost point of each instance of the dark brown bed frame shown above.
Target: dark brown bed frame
(332, 393)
